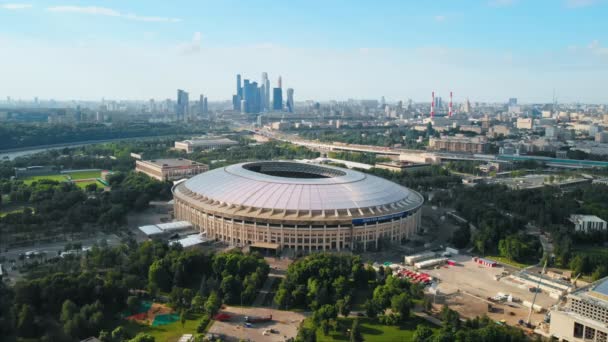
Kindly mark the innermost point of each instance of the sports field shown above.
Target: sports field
(170, 332)
(84, 174)
(67, 176)
(373, 331)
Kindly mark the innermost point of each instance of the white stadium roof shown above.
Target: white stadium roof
(290, 185)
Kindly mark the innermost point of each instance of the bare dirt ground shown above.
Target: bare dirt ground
(467, 286)
(285, 322)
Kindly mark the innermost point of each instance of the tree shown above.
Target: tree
(132, 303)
(422, 333)
(325, 327)
(182, 317)
(198, 303)
(68, 309)
(158, 276)
(213, 304)
(344, 306)
(119, 334)
(142, 337)
(401, 304)
(355, 332)
(26, 326)
(371, 308)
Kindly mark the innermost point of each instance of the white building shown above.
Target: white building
(584, 317)
(587, 223)
(207, 143)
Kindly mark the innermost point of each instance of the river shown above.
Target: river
(25, 151)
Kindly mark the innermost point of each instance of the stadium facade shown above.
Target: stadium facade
(305, 207)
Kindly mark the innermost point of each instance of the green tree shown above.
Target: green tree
(142, 337)
(344, 306)
(355, 332)
(159, 277)
(68, 309)
(26, 326)
(213, 304)
(422, 333)
(371, 308)
(401, 304)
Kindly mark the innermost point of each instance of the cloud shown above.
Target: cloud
(501, 3)
(440, 18)
(597, 49)
(580, 3)
(192, 47)
(15, 6)
(109, 12)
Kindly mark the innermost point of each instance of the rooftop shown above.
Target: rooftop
(172, 162)
(283, 185)
(588, 218)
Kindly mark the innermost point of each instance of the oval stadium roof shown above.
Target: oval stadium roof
(287, 185)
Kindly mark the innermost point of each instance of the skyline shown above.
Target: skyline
(486, 51)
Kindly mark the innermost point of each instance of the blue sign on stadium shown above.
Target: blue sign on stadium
(379, 219)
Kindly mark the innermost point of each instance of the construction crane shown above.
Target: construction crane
(540, 279)
(575, 279)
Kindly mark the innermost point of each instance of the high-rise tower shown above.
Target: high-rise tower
(181, 108)
(290, 105)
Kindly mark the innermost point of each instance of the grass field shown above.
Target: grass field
(83, 185)
(170, 332)
(59, 178)
(84, 174)
(375, 332)
(506, 261)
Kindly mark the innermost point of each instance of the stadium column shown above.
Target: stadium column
(282, 237)
(297, 238)
(324, 235)
(309, 238)
(365, 237)
(377, 233)
(243, 233)
(267, 239)
(338, 239)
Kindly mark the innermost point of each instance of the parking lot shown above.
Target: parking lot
(285, 323)
(467, 286)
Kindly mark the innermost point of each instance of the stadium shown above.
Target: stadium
(305, 207)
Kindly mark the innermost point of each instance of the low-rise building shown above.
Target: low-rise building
(207, 143)
(170, 169)
(459, 144)
(584, 317)
(587, 223)
(401, 166)
(525, 123)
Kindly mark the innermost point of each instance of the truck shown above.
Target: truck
(222, 317)
(262, 319)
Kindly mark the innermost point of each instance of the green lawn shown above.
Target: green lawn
(373, 331)
(506, 261)
(170, 332)
(84, 174)
(83, 185)
(59, 178)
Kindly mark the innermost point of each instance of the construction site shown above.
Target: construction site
(476, 286)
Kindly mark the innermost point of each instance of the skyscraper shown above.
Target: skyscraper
(290, 105)
(236, 99)
(264, 90)
(277, 99)
(181, 108)
(201, 104)
(280, 83)
(267, 93)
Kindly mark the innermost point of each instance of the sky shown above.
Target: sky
(483, 50)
